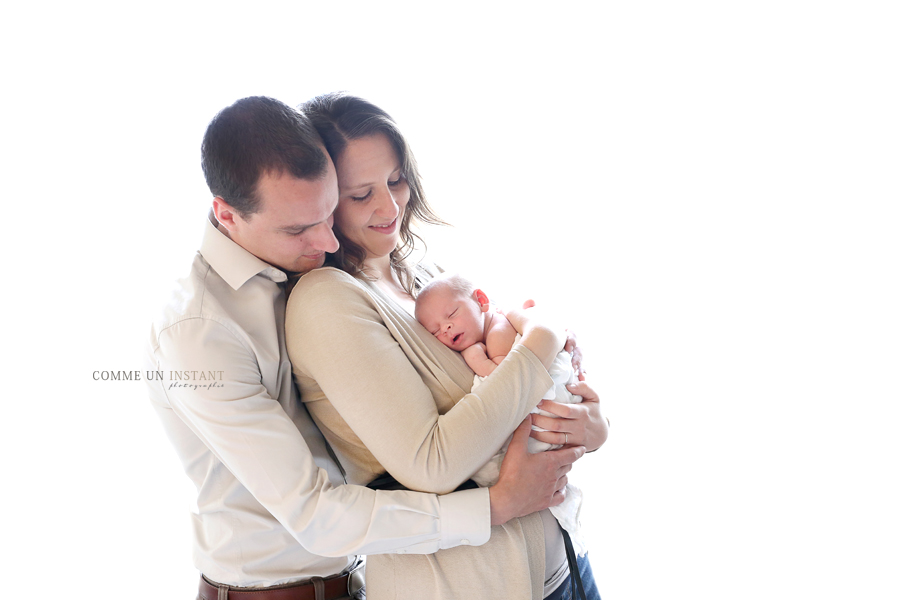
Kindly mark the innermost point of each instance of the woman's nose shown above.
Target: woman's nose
(387, 205)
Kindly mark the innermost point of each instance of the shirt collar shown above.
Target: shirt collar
(232, 262)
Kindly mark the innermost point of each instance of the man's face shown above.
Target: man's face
(292, 229)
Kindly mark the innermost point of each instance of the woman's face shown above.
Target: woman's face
(373, 194)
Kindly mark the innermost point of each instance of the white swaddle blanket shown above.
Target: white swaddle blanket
(569, 512)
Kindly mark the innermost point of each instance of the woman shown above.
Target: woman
(389, 396)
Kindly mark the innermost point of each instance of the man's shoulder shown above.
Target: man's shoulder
(199, 297)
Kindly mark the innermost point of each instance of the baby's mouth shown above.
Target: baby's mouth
(456, 337)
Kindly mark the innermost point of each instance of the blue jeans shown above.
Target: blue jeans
(565, 591)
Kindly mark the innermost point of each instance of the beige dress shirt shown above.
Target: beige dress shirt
(269, 506)
(389, 396)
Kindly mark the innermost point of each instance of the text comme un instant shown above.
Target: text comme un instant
(159, 375)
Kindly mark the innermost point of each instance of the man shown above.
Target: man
(271, 511)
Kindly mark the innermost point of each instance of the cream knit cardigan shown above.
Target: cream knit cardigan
(381, 389)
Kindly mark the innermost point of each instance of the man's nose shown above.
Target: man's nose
(325, 240)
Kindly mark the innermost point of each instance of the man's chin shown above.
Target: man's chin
(306, 264)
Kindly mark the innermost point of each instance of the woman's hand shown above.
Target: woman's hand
(578, 424)
(530, 482)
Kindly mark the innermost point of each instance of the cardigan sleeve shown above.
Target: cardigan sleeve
(336, 336)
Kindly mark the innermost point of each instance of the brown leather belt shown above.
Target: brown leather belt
(332, 588)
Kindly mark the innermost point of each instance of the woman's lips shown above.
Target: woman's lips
(386, 229)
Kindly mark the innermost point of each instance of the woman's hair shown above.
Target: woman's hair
(340, 118)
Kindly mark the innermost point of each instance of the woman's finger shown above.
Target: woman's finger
(581, 388)
(563, 411)
(557, 438)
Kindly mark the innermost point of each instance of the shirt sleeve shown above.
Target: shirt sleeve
(337, 337)
(250, 433)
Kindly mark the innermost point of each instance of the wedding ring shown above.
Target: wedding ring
(567, 439)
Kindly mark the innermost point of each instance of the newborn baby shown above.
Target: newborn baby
(460, 316)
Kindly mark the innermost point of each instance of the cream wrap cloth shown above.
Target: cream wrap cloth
(381, 389)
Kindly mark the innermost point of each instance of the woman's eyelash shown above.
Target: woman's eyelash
(390, 183)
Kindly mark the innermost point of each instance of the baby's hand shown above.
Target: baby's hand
(572, 348)
(516, 313)
(475, 353)
(476, 347)
(477, 359)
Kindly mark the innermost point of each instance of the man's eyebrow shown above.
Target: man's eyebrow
(297, 228)
(304, 227)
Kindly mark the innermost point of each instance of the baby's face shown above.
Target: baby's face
(456, 320)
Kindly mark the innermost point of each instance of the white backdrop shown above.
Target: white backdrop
(706, 191)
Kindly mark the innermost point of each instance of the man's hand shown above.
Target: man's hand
(579, 424)
(530, 482)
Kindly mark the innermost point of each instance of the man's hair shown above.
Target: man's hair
(255, 136)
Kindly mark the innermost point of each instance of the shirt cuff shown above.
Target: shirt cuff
(465, 518)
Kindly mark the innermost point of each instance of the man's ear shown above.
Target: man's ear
(482, 300)
(225, 214)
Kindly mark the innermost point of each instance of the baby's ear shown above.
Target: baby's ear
(482, 300)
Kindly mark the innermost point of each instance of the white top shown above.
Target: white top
(267, 511)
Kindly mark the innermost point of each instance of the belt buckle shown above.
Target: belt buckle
(356, 579)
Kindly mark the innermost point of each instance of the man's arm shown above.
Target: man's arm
(249, 432)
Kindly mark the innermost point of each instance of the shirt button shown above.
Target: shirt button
(464, 542)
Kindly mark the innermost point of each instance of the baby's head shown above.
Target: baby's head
(452, 310)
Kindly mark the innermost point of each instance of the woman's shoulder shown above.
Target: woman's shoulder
(324, 275)
(326, 285)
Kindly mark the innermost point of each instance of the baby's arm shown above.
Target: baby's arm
(477, 359)
(500, 338)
